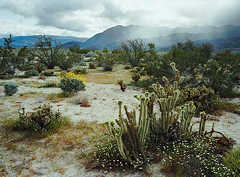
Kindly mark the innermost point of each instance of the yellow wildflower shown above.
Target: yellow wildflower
(73, 76)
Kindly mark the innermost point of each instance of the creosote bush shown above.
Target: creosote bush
(43, 120)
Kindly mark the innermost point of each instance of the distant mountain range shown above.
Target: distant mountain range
(164, 37)
(221, 37)
(29, 41)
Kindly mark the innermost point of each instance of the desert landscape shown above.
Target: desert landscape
(119, 88)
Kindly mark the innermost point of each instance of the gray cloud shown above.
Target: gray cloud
(87, 17)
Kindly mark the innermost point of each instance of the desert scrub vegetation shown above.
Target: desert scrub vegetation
(57, 97)
(232, 161)
(161, 130)
(69, 142)
(43, 121)
(208, 77)
(71, 82)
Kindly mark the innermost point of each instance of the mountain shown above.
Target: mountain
(29, 41)
(72, 44)
(221, 37)
(162, 36)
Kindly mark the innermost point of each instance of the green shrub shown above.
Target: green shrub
(232, 161)
(31, 73)
(10, 89)
(65, 61)
(202, 97)
(217, 76)
(71, 85)
(26, 67)
(42, 121)
(6, 76)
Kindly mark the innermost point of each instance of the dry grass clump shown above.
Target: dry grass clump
(109, 77)
(57, 97)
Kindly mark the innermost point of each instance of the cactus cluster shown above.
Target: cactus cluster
(160, 122)
(131, 134)
(201, 96)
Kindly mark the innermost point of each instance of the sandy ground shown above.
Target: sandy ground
(103, 99)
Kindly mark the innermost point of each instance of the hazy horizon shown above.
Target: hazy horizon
(86, 18)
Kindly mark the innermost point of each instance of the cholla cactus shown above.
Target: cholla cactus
(186, 115)
(170, 122)
(131, 135)
(202, 124)
(171, 116)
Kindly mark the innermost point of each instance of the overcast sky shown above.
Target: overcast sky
(85, 18)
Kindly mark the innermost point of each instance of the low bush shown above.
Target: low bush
(202, 97)
(10, 89)
(31, 73)
(71, 85)
(217, 76)
(71, 82)
(195, 157)
(232, 161)
(6, 76)
(43, 120)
